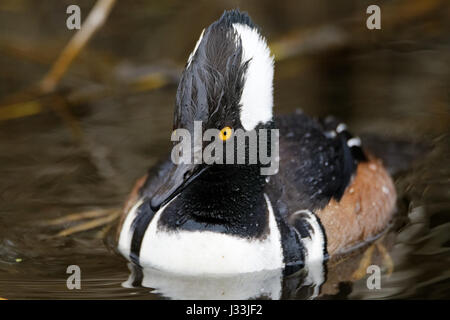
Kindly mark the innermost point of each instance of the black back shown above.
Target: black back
(314, 167)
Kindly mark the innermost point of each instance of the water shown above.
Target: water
(108, 124)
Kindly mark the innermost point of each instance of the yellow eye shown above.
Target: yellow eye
(225, 134)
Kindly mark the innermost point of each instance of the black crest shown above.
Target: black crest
(211, 85)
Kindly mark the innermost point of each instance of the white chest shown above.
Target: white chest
(205, 252)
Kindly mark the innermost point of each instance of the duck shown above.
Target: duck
(327, 196)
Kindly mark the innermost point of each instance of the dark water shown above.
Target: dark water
(110, 120)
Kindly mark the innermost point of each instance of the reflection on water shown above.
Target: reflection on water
(264, 284)
(82, 147)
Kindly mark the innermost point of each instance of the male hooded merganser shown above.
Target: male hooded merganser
(328, 196)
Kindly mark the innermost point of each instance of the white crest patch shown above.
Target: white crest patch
(257, 94)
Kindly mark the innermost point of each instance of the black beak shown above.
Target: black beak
(178, 178)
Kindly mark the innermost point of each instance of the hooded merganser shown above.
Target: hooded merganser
(328, 196)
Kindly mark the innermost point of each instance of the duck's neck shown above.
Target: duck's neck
(225, 198)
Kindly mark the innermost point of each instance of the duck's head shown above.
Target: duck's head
(227, 85)
(228, 77)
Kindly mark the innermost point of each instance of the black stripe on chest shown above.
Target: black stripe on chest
(144, 216)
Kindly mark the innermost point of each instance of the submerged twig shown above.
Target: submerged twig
(111, 216)
(79, 216)
(387, 260)
(365, 261)
(19, 110)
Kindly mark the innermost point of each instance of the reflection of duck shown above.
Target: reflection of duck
(264, 284)
(328, 196)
